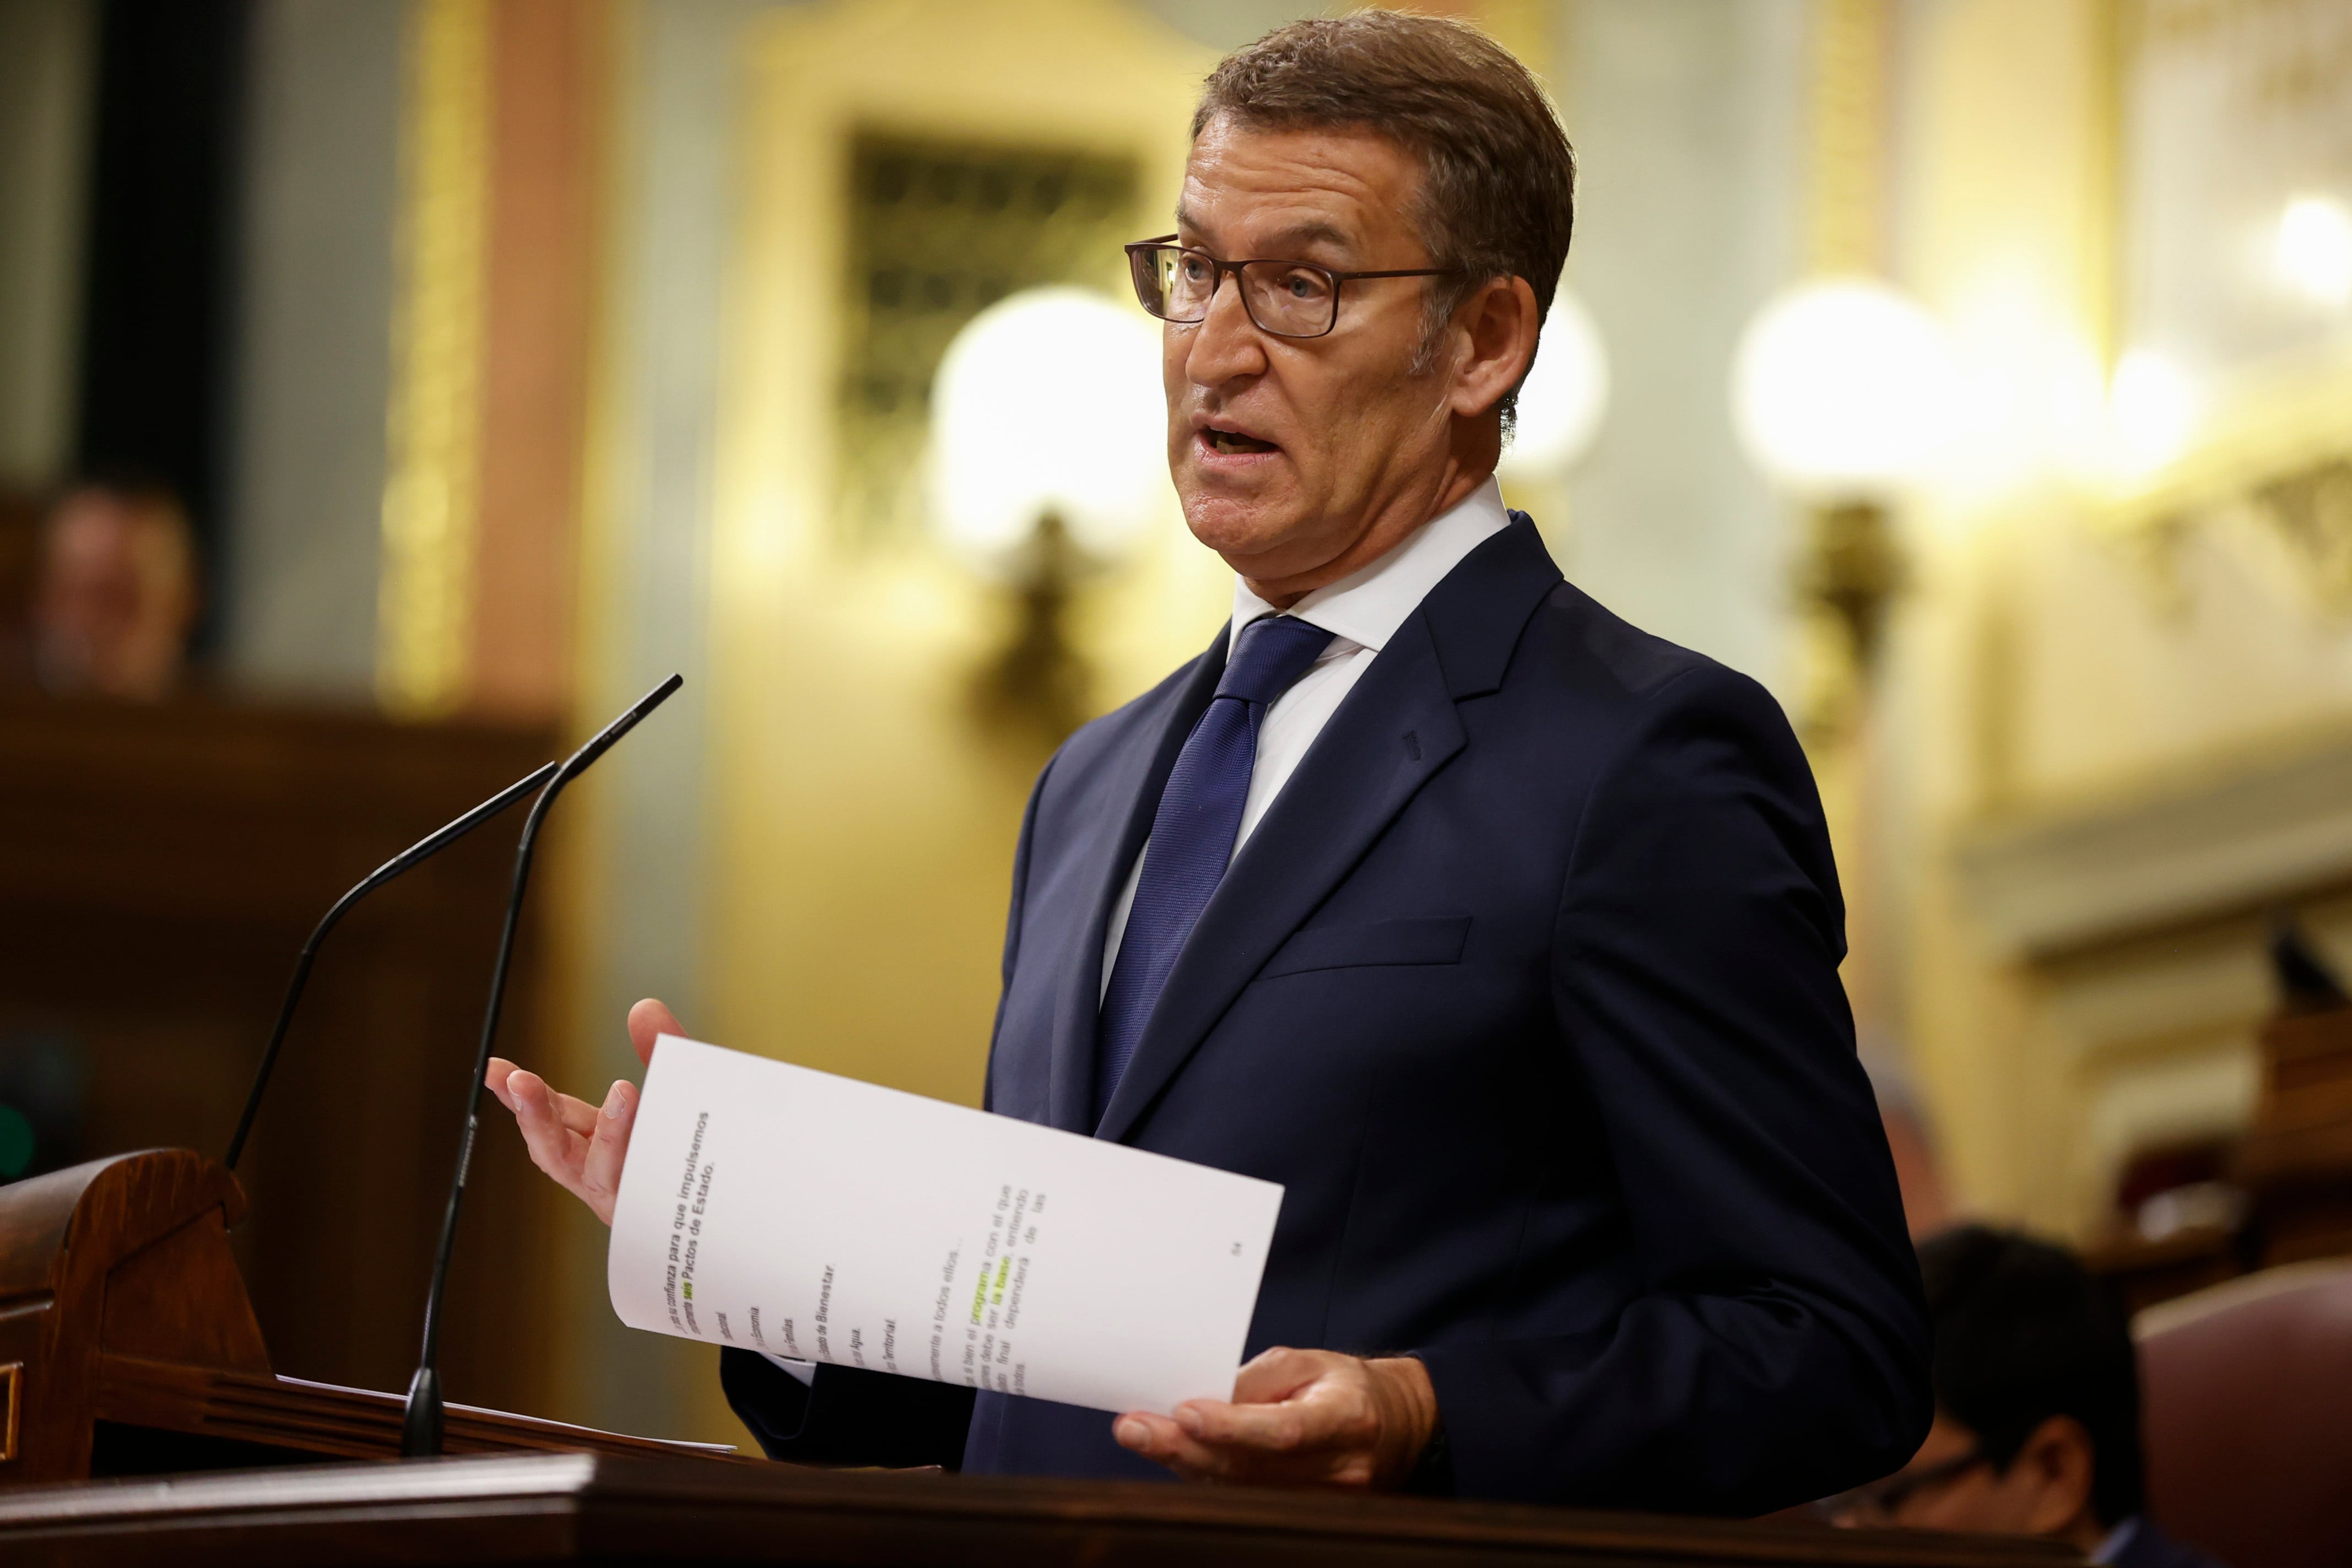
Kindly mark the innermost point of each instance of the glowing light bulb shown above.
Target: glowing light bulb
(2152, 408)
(2313, 250)
(1843, 388)
(1048, 401)
(1561, 401)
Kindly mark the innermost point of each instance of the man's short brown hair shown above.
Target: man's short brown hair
(1498, 187)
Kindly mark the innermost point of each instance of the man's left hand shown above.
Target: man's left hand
(1298, 1418)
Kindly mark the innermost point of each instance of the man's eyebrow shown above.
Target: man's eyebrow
(1297, 237)
(1285, 243)
(1300, 235)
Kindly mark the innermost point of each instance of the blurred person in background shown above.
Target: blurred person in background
(2037, 1408)
(116, 593)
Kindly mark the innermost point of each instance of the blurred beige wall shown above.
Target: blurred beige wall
(321, 200)
(2116, 702)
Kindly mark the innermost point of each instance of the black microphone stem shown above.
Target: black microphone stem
(423, 850)
(420, 1432)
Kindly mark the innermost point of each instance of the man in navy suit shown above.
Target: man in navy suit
(1503, 935)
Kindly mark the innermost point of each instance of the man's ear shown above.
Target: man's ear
(2060, 1459)
(1496, 331)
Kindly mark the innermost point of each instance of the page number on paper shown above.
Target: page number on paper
(1237, 1250)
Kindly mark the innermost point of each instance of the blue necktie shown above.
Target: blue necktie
(1193, 833)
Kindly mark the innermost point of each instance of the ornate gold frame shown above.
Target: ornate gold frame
(432, 478)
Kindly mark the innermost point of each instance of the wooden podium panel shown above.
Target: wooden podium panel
(128, 1350)
(127, 1344)
(223, 1407)
(598, 1508)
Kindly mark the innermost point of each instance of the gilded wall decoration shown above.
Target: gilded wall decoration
(431, 489)
(2232, 113)
(2234, 270)
(938, 231)
(2312, 508)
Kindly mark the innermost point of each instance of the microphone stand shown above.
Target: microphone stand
(423, 850)
(420, 1430)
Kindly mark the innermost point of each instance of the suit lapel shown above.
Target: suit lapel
(1137, 774)
(1391, 734)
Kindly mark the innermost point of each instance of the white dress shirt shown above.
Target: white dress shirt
(1363, 611)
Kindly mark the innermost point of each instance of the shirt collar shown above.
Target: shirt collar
(1367, 605)
(2120, 1537)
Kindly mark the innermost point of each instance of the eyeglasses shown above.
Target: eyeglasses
(1881, 1501)
(1288, 299)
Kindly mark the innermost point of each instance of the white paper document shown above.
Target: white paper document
(794, 1211)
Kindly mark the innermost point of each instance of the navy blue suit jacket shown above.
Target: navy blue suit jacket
(1526, 991)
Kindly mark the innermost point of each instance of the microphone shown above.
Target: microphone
(423, 850)
(420, 1429)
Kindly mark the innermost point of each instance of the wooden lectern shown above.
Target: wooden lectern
(129, 1351)
(128, 1347)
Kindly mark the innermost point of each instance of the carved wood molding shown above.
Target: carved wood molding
(2214, 842)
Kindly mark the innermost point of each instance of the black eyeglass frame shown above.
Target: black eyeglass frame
(1167, 242)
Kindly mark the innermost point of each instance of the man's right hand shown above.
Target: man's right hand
(580, 1145)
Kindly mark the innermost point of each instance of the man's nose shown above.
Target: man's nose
(1227, 344)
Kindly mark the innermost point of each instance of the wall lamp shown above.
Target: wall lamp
(1048, 465)
(1842, 391)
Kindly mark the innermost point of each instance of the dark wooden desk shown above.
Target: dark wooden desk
(592, 1508)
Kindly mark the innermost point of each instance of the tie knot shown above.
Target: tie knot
(1274, 651)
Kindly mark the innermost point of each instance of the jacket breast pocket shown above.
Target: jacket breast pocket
(1362, 946)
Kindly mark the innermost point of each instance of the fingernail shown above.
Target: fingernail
(1130, 1433)
(614, 1098)
(1189, 1419)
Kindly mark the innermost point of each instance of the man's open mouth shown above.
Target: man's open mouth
(1234, 441)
